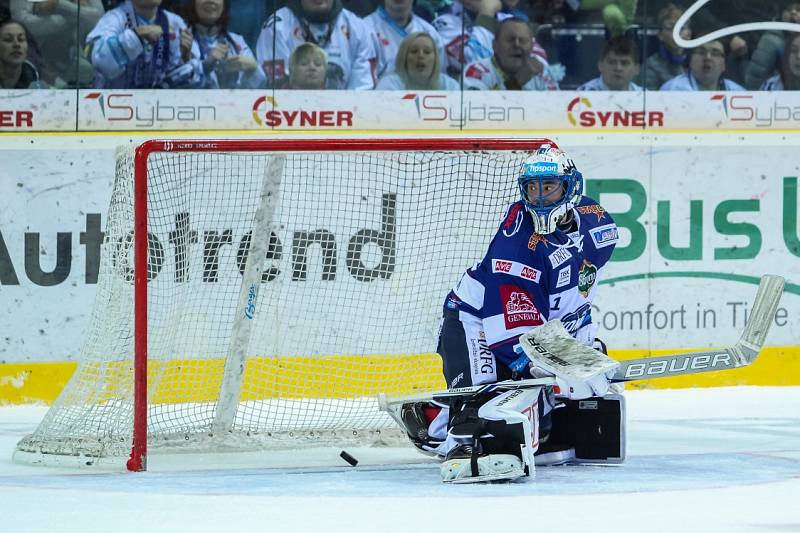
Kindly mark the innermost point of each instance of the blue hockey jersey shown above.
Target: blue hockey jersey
(526, 279)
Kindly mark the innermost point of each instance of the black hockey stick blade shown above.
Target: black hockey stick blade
(743, 353)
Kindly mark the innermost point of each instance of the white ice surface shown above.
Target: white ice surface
(707, 460)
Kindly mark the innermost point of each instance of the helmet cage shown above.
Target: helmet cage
(547, 214)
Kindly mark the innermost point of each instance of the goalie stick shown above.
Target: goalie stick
(743, 353)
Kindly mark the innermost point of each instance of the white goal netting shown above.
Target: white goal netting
(355, 252)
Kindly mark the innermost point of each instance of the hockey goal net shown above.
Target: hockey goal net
(260, 293)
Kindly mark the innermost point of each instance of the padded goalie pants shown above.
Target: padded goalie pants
(466, 357)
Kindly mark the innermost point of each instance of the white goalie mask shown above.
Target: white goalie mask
(550, 186)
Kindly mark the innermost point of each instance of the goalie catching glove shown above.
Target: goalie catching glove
(549, 350)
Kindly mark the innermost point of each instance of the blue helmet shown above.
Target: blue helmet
(559, 186)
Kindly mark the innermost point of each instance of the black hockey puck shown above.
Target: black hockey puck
(349, 458)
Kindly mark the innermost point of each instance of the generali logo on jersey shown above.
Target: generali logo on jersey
(581, 113)
(518, 308)
(266, 113)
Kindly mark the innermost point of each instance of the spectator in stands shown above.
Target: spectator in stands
(670, 60)
(227, 61)
(618, 66)
(722, 14)
(706, 65)
(788, 77)
(474, 36)
(139, 45)
(390, 23)
(514, 66)
(16, 72)
(308, 65)
(346, 39)
(59, 27)
(418, 67)
(767, 56)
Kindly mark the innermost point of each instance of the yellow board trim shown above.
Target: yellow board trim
(290, 377)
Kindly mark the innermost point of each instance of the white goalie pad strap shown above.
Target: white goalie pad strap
(519, 406)
(551, 348)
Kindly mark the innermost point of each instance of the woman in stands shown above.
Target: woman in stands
(228, 63)
(16, 72)
(418, 67)
(788, 77)
(308, 67)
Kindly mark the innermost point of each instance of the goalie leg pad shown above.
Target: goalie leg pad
(593, 427)
(598, 428)
(494, 439)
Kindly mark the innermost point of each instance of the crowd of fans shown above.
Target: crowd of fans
(387, 45)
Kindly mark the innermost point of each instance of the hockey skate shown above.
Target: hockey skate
(463, 466)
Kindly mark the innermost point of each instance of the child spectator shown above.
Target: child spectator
(706, 65)
(390, 23)
(308, 67)
(227, 61)
(514, 66)
(16, 72)
(139, 45)
(418, 67)
(670, 60)
(788, 78)
(618, 66)
(59, 27)
(767, 56)
(345, 38)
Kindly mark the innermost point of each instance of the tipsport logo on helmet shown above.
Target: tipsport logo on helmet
(267, 114)
(581, 114)
(541, 168)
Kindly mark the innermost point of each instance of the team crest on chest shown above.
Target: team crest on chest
(518, 308)
(587, 275)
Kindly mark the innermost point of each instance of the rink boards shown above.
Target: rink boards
(701, 217)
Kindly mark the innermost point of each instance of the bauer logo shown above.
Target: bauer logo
(679, 365)
(518, 308)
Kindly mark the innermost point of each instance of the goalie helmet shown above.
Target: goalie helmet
(555, 184)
